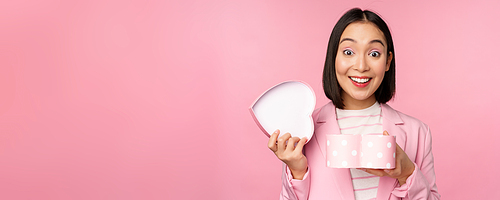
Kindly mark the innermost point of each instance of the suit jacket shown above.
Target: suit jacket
(322, 182)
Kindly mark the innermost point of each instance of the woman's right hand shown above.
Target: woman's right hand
(289, 150)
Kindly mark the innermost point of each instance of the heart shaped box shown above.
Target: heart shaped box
(287, 106)
(361, 151)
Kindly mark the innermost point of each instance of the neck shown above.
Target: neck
(355, 104)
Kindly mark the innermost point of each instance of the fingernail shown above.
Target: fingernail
(387, 171)
(276, 131)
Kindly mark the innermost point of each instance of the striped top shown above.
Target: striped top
(366, 121)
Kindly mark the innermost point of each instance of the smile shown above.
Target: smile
(360, 81)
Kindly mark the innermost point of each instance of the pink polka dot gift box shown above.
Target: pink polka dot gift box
(361, 151)
(287, 106)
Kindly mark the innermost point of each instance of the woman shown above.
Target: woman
(358, 78)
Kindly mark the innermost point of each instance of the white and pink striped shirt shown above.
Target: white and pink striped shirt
(354, 122)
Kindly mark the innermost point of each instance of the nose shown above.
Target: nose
(362, 64)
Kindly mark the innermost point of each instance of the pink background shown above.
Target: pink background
(149, 99)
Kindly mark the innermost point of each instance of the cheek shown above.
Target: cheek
(341, 67)
(379, 67)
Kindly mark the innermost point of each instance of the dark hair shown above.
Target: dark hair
(332, 89)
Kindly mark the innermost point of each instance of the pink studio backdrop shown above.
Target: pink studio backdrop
(149, 99)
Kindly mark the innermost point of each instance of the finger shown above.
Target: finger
(272, 140)
(291, 143)
(376, 172)
(389, 172)
(300, 144)
(362, 169)
(282, 141)
(386, 133)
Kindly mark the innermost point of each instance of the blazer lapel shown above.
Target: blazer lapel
(391, 123)
(328, 121)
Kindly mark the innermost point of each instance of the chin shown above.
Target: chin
(361, 97)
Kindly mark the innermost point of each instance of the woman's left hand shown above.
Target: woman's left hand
(404, 167)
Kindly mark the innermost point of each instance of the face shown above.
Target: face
(361, 63)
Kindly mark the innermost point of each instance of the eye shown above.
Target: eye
(348, 52)
(374, 54)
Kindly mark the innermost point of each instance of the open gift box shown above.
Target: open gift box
(288, 106)
(361, 151)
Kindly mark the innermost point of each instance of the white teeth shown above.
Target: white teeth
(360, 80)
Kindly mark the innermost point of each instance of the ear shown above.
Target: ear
(389, 60)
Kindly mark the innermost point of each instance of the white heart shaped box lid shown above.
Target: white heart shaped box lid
(287, 106)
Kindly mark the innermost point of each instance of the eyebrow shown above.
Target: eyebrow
(352, 40)
(347, 39)
(379, 41)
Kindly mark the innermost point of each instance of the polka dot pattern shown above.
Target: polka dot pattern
(360, 151)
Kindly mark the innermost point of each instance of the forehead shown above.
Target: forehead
(363, 32)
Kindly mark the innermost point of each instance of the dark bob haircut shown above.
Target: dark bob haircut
(332, 89)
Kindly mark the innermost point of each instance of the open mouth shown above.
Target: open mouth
(360, 80)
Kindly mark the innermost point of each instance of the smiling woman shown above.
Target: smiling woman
(361, 63)
(370, 31)
(359, 79)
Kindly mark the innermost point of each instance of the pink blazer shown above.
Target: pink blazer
(322, 182)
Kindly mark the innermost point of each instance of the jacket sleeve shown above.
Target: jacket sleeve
(422, 182)
(293, 189)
